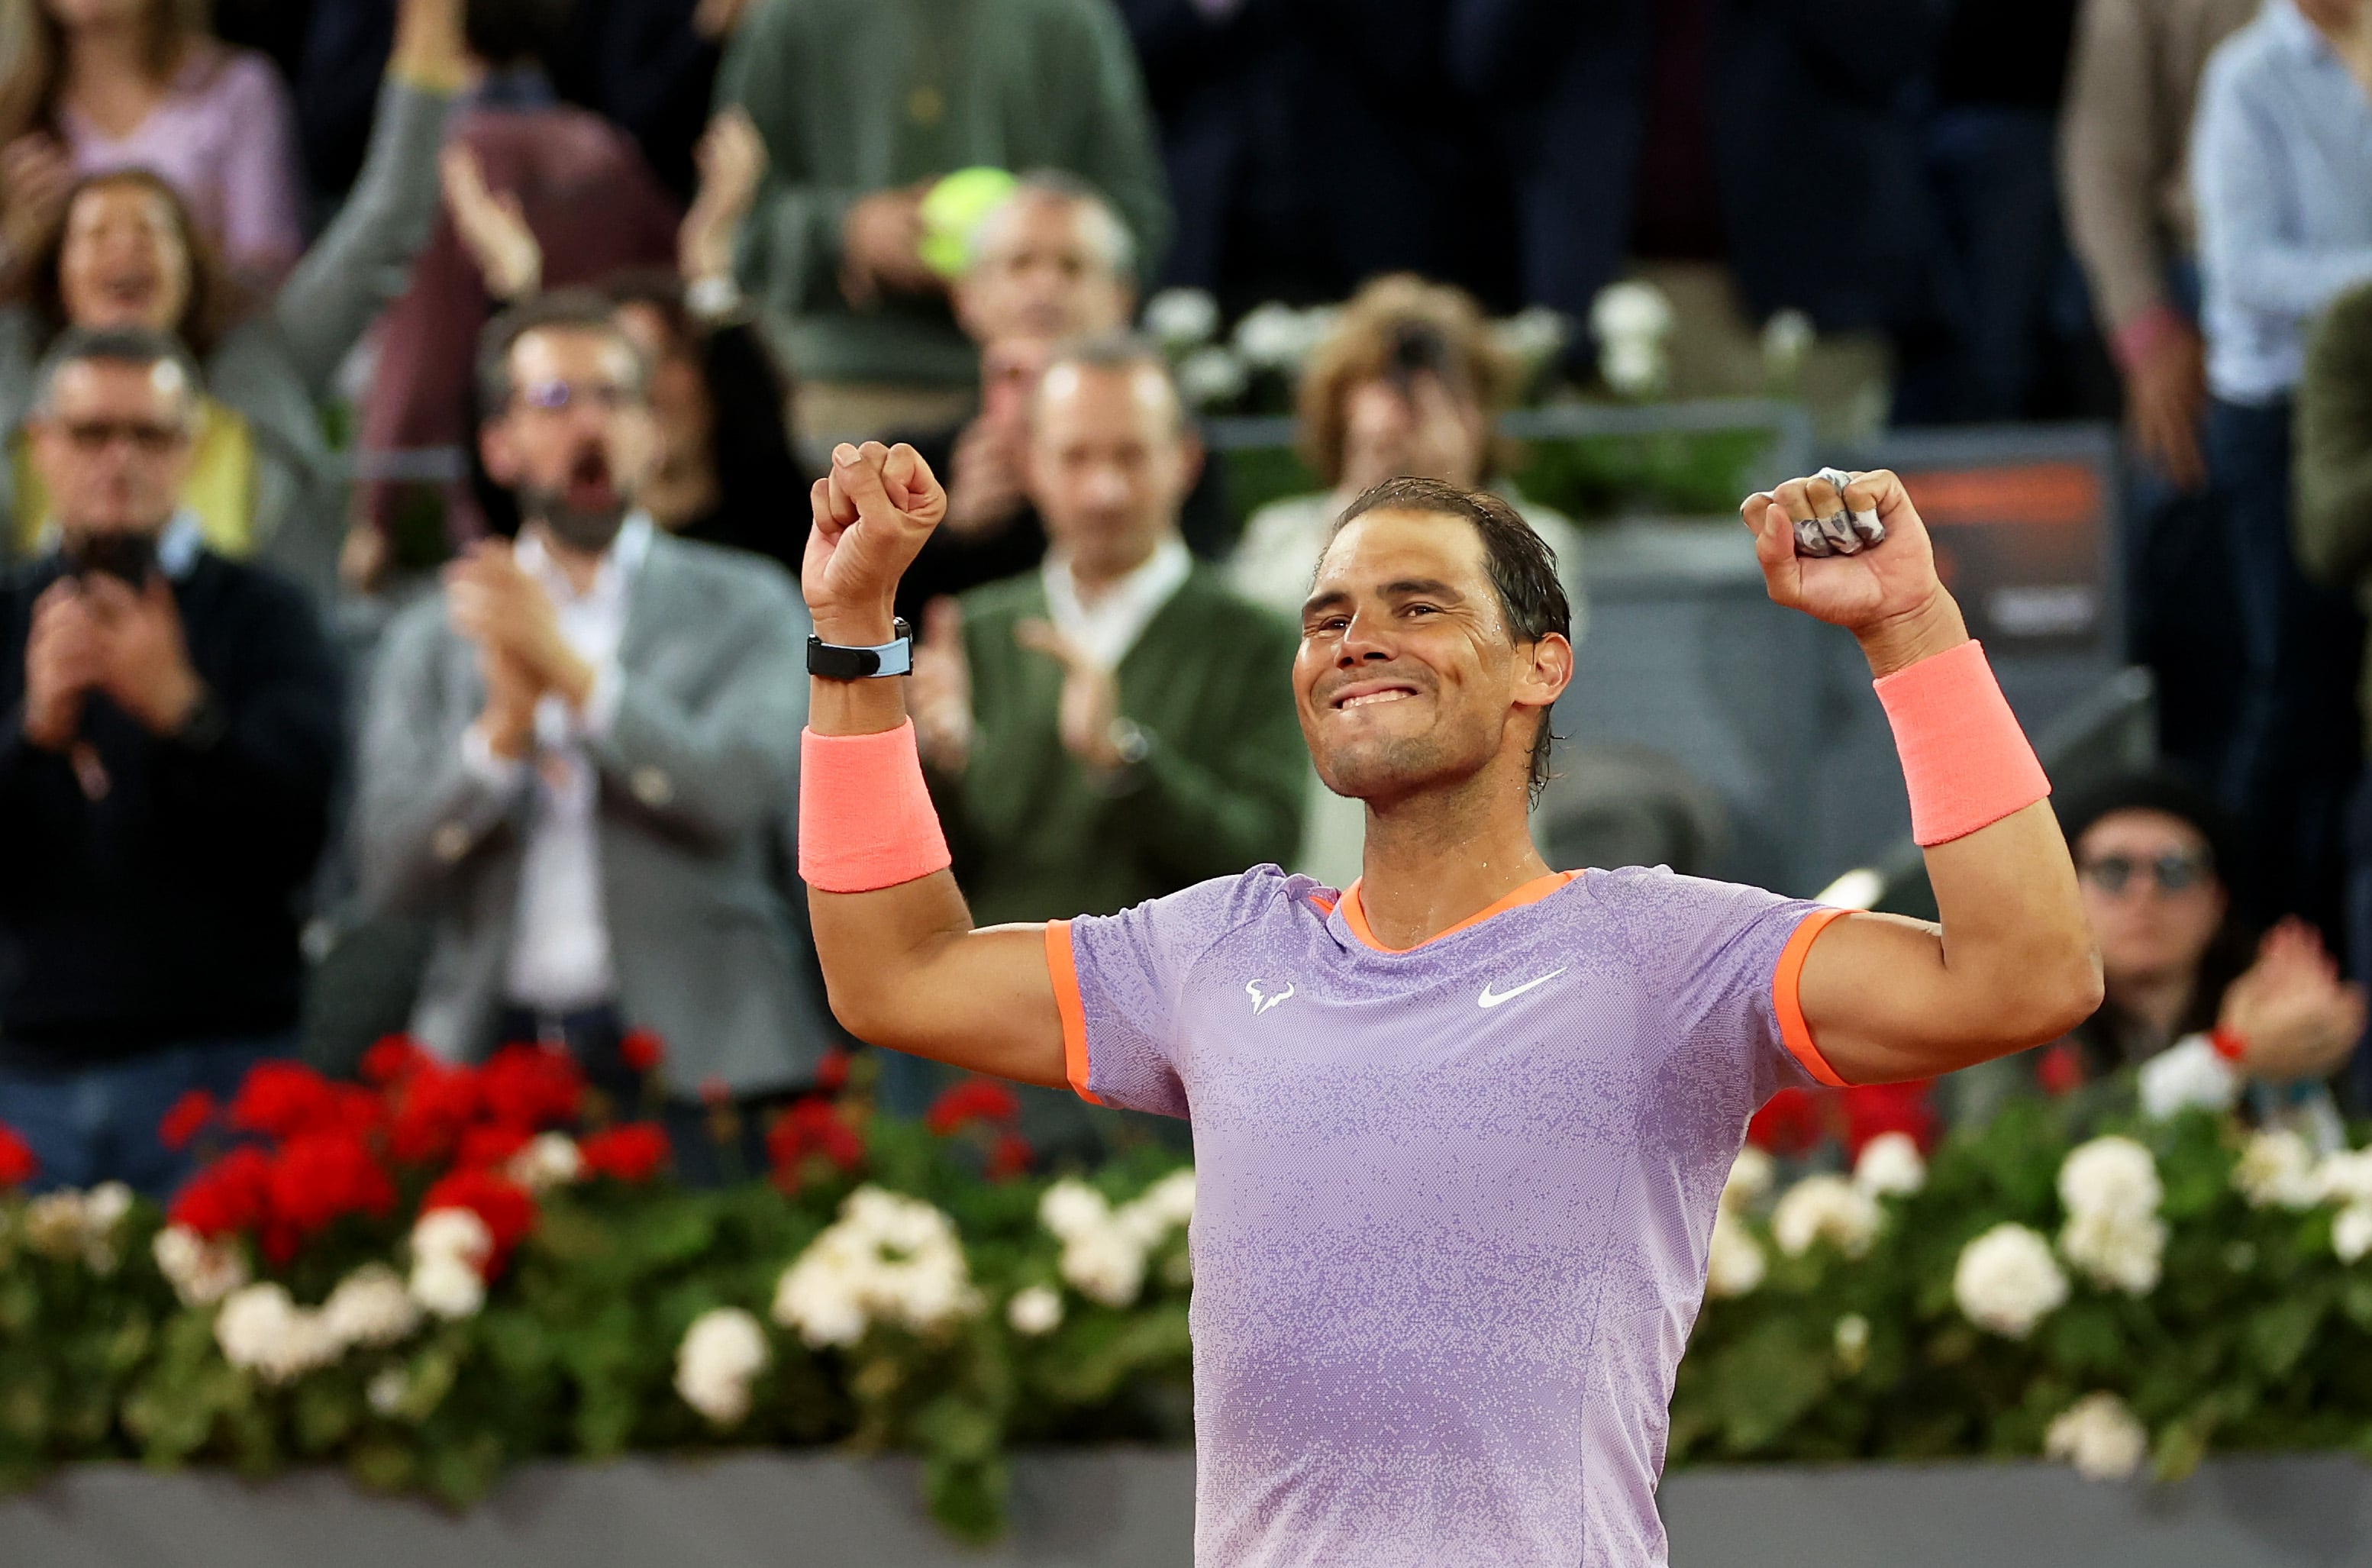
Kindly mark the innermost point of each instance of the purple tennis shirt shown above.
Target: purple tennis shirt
(1452, 1204)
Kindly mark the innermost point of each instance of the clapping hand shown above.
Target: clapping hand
(491, 224)
(494, 603)
(2297, 1018)
(145, 658)
(732, 159)
(1090, 701)
(35, 175)
(65, 662)
(882, 246)
(939, 696)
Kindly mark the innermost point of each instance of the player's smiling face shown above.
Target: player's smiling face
(1408, 677)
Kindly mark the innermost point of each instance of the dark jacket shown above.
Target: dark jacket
(761, 484)
(1809, 104)
(2333, 516)
(167, 910)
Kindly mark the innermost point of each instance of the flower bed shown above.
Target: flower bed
(431, 1276)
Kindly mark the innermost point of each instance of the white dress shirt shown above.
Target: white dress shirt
(560, 958)
(1108, 626)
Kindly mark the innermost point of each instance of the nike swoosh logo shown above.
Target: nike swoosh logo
(1490, 998)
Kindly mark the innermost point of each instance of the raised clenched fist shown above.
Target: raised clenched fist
(872, 514)
(1856, 555)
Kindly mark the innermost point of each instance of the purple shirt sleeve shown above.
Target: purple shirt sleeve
(260, 225)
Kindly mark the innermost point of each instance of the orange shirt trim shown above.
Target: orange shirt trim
(1068, 1003)
(1786, 999)
(1532, 892)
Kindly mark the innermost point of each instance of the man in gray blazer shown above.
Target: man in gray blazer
(579, 755)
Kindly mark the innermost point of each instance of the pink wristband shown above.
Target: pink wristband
(865, 818)
(1965, 760)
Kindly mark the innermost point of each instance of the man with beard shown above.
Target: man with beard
(579, 751)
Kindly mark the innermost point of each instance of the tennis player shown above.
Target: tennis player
(1460, 1127)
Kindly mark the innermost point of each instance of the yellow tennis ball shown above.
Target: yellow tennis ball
(953, 208)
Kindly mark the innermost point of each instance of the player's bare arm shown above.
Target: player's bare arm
(903, 965)
(2011, 963)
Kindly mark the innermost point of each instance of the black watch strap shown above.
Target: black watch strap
(838, 661)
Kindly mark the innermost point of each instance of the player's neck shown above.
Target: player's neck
(1436, 859)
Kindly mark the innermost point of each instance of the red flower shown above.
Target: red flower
(1788, 1125)
(642, 1050)
(1873, 1109)
(232, 1194)
(1009, 1156)
(392, 1059)
(811, 1128)
(321, 1177)
(186, 1120)
(281, 1100)
(16, 1161)
(491, 1146)
(831, 1071)
(974, 1100)
(531, 1085)
(630, 1153)
(2061, 1071)
(503, 1205)
(432, 1105)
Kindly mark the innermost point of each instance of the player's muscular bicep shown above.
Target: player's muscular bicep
(1878, 999)
(979, 1000)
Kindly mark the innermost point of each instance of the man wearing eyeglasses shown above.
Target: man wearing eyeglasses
(578, 753)
(171, 736)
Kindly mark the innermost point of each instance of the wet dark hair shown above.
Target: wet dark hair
(1523, 568)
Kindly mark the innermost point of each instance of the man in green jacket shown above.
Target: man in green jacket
(2332, 518)
(1117, 725)
(863, 104)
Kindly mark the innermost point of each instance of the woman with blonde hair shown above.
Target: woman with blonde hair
(94, 85)
(1408, 383)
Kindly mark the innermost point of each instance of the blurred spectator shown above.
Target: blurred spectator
(1687, 134)
(1313, 144)
(173, 730)
(1988, 137)
(99, 85)
(263, 480)
(2335, 538)
(1409, 382)
(577, 757)
(725, 459)
(2151, 854)
(582, 190)
(1116, 725)
(1050, 262)
(864, 104)
(2126, 191)
(2282, 167)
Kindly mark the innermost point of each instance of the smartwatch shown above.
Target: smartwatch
(838, 661)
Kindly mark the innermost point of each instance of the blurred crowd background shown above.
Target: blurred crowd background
(411, 405)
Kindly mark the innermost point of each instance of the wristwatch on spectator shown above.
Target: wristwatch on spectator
(1133, 743)
(839, 661)
(713, 299)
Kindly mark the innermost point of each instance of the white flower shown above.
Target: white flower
(723, 1350)
(1172, 1197)
(1072, 1208)
(1035, 1311)
(1787, 340)
(888, 1258)
(2346, 1178)
(1890, 1164)
(1104, 1265)
(1851, 1338)
(452, 1233)
(2116, 1250)
(2351, 1232)
(449, 1285)
(1750, 1176)
(2006, 1280)
(53, 1224)
(2110, 1176)
(1631, 321)
(201, 1271)
(1633, 368)
(69, 1225)
(2276, 1169)
(1212, 375)
(1272, 337)
(1825, 1208)
(262, 1331)
(1734, 1260)
(387, 1389)
(2099, 1436)
(371, 1307)
(2187, 1073)
(550, 1159)
(103, 1208)
(1534, 335)
(1182, 319)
